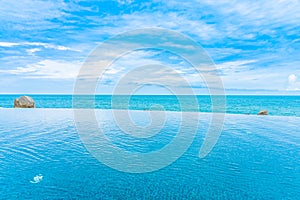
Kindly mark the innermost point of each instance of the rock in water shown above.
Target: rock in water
(16, 103)
(263, 112)
(24, 102)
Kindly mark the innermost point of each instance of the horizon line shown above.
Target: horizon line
(71, 94)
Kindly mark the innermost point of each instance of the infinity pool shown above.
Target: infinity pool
(43, 157)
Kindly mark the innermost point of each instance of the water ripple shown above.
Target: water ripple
(255, 158)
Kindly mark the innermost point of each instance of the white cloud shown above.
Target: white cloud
(145, 66)
(8, 44)
(169, 20)
(267, 12)
(243, 19)
(45, 45)
(32, 51)
(228, 68)
(47, 69)
(227, 27)
(34, 10)
(293, 85)
(292, 78)
(122, 2)
(113, 71)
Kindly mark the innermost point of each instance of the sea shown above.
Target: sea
(55, 152)
(235, 104)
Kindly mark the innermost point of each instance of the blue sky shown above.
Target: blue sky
(255, 45)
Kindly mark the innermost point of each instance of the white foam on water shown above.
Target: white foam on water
(37, 179)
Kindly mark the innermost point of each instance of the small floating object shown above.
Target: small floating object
(37, 179)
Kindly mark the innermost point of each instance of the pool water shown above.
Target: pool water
(42, 157)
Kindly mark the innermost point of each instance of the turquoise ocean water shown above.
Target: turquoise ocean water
(256, 157)
(42, 155)
(276, 105)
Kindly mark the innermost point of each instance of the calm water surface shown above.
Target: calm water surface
(256, 157)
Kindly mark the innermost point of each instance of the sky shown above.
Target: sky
(255, 45)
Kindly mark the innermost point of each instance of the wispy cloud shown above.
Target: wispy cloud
(47, 69)
(122, 2)
(254, 44)
(32, 51)
(45, 45)
(231, 67)
(31, 12)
